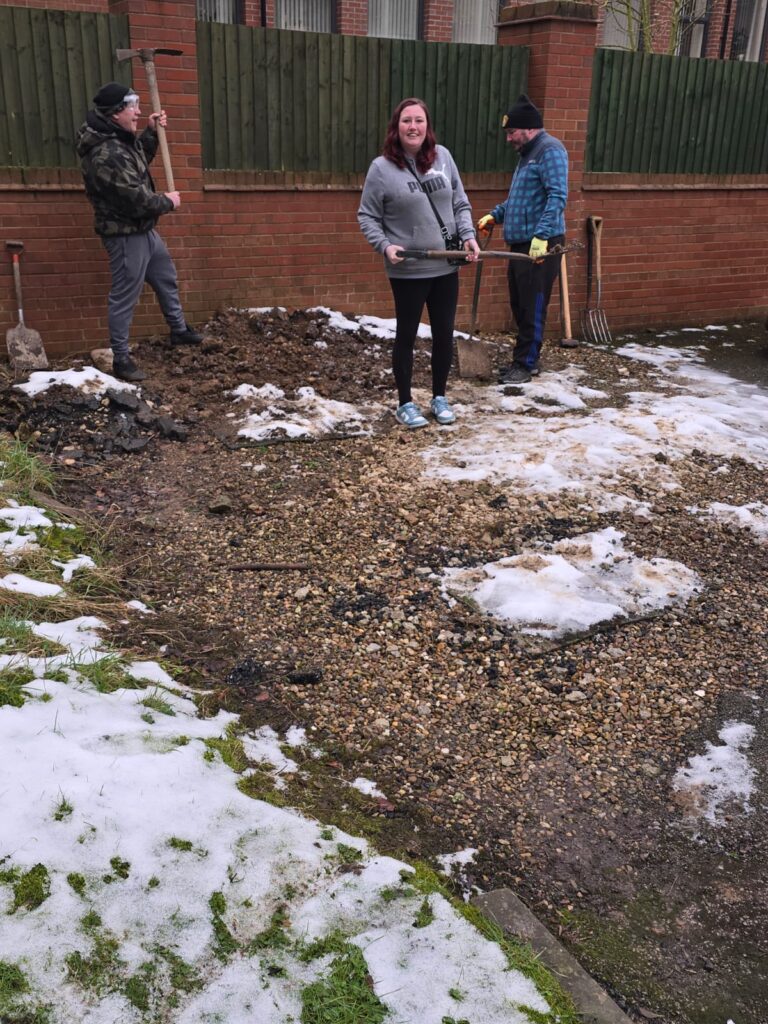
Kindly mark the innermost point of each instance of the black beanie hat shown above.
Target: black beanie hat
(522, 115)
(110, 97)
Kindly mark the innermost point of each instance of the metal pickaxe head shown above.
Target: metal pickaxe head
(146, 53)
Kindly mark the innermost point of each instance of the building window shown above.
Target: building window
(305, 15)
(694, 21)
(227, 11)
(622, 26)
(474, 21)
(395, 19)
(749, 30)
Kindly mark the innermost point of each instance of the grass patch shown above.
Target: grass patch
(344, 995)
(63, 810)
(21, 638)
(273, 937)
(425, 915)
(260, 785)
(182, 976)
(99, 972)
(185, 845)
(22, 471)
(30, 888)
(225, 942)
(157, 703)
(107, 674)
(348, 854)
(121, 868)
(76, 882)
(231, 749)
(13, 981)
(334, 942)
(12, 681)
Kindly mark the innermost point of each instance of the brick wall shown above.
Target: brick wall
(672, 253)
(352, 17)
(438, 21)
(251, 13)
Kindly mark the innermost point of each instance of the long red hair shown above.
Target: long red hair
(393, 149)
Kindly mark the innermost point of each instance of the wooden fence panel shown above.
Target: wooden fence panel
(317, 102)
(51, 64)
(654, 114)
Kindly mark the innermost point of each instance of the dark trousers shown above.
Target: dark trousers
(440, 294)
(134, 259)
(530, 288)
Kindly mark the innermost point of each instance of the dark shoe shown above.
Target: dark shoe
(515, 374)
(535, 369)
(124, 368)
(188, 336)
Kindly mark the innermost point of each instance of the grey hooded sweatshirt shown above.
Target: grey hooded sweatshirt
(394, 210)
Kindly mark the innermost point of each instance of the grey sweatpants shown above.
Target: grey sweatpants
(134, 259)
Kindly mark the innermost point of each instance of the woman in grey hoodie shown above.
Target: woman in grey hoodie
(396, 213)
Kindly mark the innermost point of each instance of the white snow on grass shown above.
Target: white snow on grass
(24, 516)
(69, 568)
(272, 414)
(18, 583)
(152, 856)
(139, 606)
(752, 517)
(367, 787)
(89, 379)
(572, 585)
(721, 777)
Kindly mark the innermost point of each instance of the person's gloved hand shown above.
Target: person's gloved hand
(538, 248)
(484, 224)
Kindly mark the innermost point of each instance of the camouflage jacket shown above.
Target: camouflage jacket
(115, 166)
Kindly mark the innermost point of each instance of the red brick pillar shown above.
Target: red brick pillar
(252, 13)
(352, 17)
(562, 38)
(438, 21)
(170, 24)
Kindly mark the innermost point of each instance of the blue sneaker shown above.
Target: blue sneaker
(410, 415)
(442, 411)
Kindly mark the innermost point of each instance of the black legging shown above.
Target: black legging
(440, 295)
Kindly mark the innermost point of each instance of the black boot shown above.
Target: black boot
(124, 368)
(188, 336)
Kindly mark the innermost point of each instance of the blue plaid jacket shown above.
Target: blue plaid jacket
(538, 193)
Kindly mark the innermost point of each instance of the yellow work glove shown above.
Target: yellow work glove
(484, 224)
(538, 248)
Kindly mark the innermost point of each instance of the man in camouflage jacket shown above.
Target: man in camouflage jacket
(115, 161)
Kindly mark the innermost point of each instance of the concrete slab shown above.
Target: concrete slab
(593, 1004)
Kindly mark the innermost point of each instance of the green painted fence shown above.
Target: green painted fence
(654, 114)
(277, 100)
(51, 65)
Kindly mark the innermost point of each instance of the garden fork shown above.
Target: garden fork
(594, 325)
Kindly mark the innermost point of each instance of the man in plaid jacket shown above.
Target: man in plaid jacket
(533, 219)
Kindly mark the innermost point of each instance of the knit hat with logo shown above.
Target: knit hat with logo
(523, 114)
(111, 97)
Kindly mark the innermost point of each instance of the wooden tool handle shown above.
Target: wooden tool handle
(596, 227)
(154, 98)
(17, 282)
(565, 302)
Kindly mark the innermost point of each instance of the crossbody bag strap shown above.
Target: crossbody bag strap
(443, 229)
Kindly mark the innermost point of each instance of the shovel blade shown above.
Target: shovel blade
(25, 350)
(474, 359)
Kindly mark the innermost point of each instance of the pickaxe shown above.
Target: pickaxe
(147, 56)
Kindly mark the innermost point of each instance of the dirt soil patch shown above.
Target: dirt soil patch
(471, 731)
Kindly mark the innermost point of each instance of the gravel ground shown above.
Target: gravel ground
(553, 759)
